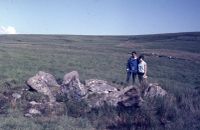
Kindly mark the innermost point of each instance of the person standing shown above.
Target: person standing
(142, 70)
(132, 67)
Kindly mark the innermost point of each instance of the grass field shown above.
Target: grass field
(104, 57)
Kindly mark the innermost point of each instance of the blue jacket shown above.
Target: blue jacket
(132, 65)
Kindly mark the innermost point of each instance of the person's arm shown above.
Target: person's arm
(127, 65)
(145, 70)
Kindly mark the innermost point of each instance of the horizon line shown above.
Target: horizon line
(103, 34)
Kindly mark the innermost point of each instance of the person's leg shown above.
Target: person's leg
(128, 77)
(143, 83)
(134, 76)
(140, 78)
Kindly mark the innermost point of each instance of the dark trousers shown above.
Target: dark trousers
(140, 77)
(143, 82)
(129, 75)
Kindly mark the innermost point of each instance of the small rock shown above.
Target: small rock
(92, 82)
(34, 103)
(27, 115)
(16, 95)
(34, 111)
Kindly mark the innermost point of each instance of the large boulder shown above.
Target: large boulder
(128, 96)
(98, 92)
(154, 90)
(44, 83)
(99, 86)
(72, 86)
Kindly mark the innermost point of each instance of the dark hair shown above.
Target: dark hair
(133, 52)
(141, 57)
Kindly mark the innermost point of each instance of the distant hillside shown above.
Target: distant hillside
(173, 63)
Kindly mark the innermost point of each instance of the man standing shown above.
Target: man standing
(132, 67)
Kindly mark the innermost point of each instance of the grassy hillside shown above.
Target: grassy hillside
(105, 57)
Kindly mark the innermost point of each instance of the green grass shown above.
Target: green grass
(22, 56)
(17, 121)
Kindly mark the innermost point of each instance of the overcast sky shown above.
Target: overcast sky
(99, 17)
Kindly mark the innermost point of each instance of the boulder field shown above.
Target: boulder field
(93, 92)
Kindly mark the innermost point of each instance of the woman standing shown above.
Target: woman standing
(142, 70)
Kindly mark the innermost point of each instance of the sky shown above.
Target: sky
(99, 17)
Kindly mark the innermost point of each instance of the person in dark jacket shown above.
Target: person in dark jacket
(132, 67)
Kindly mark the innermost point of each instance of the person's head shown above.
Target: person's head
(134, 54)
(141, 58)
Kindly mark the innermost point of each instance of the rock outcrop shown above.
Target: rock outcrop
(95, 93)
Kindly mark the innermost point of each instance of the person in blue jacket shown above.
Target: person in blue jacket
(132, 67)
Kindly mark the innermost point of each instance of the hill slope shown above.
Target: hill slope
(104, 57)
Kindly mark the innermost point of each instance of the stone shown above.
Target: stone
(99, 86)
(128, 96)
(71, 76)
(44, 83)
(91, 82)
(33, 111)
(154, 90)
(27, 115)
(34, 103)
(46, 108)
(16, 95)
(95, 93)
(72, 86)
